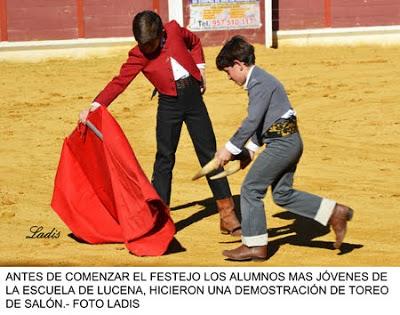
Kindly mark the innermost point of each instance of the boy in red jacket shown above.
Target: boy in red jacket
(172, 59)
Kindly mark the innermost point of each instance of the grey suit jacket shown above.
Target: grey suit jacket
(268, 101)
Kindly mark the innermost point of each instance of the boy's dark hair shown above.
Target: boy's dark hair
(146, 26)
(237, 48)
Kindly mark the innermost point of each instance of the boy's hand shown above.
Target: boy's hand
(203, 83)
(223, 156)
(84, 113)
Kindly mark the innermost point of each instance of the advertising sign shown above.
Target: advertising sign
(213, 15)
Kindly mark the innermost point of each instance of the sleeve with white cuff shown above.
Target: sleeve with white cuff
(232, 148)
(95, 106)
(235, 150)
(252, 146)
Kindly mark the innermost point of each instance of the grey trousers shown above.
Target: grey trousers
(275, 167)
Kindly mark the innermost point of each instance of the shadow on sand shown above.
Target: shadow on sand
(301, 232)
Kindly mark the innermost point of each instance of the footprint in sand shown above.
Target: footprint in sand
(7, 214)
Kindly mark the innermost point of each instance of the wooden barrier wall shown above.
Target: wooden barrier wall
(25, 20)
(306, 14)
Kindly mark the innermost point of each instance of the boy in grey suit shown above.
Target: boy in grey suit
(272, 121)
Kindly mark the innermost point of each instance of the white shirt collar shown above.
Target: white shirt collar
(248, 77)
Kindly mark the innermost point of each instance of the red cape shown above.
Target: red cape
(103, 195)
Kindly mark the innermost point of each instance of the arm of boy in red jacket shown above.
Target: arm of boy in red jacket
(129, 70)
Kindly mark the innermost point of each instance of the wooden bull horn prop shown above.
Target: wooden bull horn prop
(229, 169)
(208, 168)
(211, 166)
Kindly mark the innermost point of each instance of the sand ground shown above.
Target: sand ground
(347, 100)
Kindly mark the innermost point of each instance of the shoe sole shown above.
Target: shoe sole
(255, 259)
(232, 233)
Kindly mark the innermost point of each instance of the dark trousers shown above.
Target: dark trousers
(188, 107)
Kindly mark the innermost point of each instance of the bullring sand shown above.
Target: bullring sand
(347, 100)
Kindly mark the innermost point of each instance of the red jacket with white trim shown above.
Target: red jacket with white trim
(180, 44)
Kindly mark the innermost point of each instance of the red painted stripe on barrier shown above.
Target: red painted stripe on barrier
(80, 18)
(3, 20)
(156, 6)
(328, 13)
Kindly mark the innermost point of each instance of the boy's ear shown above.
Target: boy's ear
(239, 63)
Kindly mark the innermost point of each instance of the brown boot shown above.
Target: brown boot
(228, 222)
(244, 252)
(338, 220)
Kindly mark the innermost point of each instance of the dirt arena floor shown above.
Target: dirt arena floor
(347, 100)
